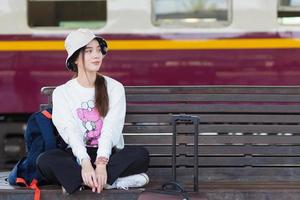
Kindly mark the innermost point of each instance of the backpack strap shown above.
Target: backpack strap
(47, 114)
(37, 191)
(46, 127)
(33, 186)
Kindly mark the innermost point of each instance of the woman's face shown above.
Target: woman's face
(90, 58)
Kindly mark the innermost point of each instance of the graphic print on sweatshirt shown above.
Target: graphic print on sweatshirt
(91, 121)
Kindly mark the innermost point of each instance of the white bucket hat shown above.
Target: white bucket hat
(79, 38)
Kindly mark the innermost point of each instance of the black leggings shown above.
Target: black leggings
(60, 166)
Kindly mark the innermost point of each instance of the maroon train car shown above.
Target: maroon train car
(151, 42)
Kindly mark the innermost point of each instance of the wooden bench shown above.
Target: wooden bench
(247, 135)
(249, 140)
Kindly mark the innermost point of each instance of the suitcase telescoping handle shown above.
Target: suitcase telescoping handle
(195, 121)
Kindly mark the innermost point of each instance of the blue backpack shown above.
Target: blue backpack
(40, 136)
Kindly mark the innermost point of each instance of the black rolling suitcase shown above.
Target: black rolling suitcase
(173, 190)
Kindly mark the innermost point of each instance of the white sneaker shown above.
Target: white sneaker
(108, 187)
(137, 180)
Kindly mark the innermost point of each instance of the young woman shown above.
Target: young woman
(89, 113)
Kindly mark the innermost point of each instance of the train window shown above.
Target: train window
(289, 12)
(191, 13)
(67, 13)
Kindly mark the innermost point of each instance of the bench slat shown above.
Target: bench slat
(224, 128)
(212, 108)
(228, 161)
(213, 98)
(226, 150)
(214, 139)
(212, 89)
(232, 174)
(216, 118)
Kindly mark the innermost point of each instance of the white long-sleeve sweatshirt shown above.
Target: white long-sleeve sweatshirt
(79, 124)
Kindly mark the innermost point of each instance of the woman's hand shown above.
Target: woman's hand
(88, 174)
(101, 175)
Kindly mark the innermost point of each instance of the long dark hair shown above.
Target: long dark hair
(101, 95)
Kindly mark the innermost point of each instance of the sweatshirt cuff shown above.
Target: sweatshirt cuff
(81, 157)
(103, 154)
(104, 147)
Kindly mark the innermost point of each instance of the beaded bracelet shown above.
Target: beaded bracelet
(101, 160)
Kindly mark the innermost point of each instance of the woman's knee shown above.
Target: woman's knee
(45, 159)
(142, 154)
(42, 160)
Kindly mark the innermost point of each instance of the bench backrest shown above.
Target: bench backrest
(243, 131)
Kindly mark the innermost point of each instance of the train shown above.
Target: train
(151, 42)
